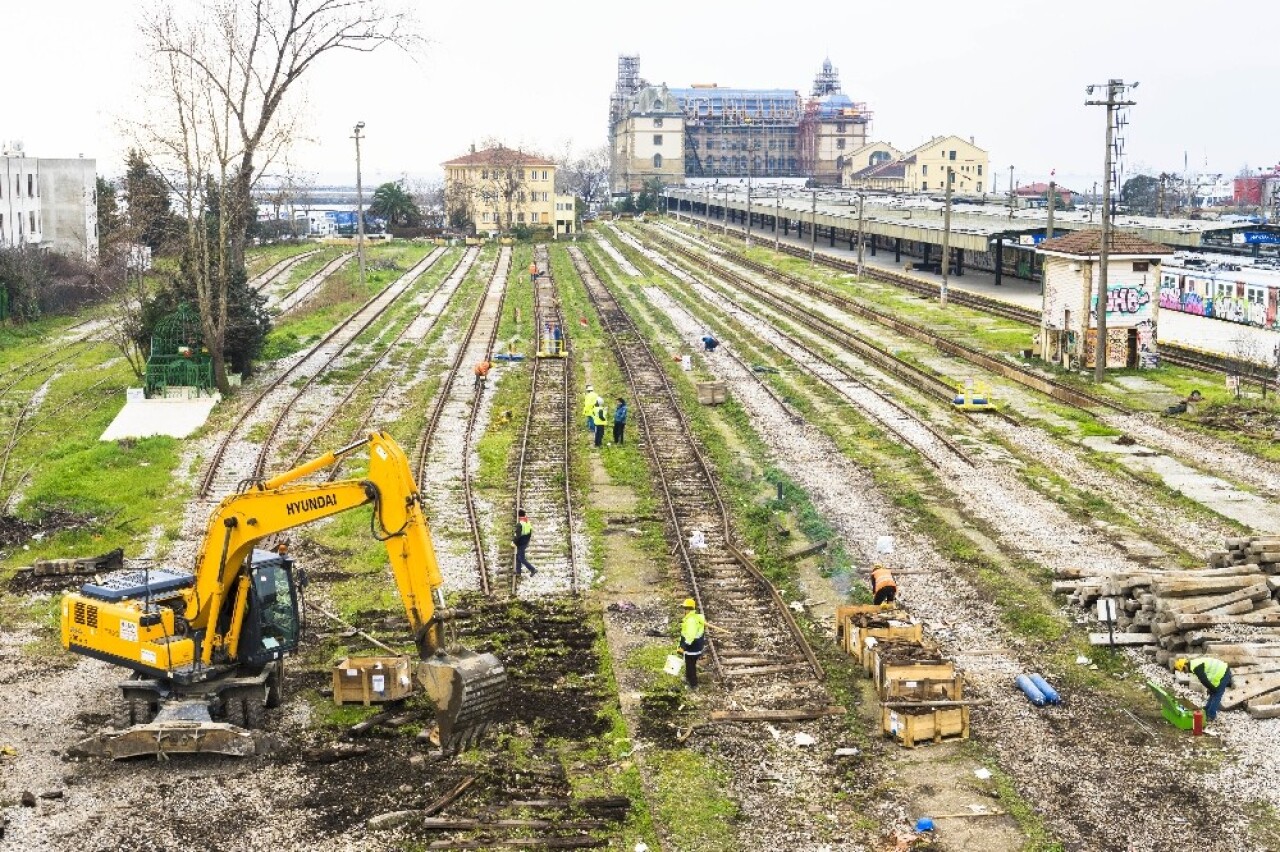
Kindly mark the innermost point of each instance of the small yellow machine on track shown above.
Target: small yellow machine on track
(972, 396)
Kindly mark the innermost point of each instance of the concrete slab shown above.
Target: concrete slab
(176, 418)
(1215, 494)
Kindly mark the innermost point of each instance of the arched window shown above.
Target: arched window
(657, 161)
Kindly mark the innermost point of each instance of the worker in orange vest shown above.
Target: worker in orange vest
(482, 372)
(883, 586)
(533, 270)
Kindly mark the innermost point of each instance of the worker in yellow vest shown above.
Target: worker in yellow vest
(1214, 674)
(524, 532)
(693, 640)
(589, 401)
(883, 586)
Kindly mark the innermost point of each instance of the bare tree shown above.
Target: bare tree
(587, 176)
(226, 68)
(507, 180)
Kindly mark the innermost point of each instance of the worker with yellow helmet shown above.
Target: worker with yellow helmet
(693, 639)
(1213, 673)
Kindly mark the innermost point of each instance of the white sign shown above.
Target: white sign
(129, 631)
(379, 683)
(1106, 609)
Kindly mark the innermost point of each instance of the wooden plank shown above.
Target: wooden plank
(1255, 592)
(1269, 617)
(522, 843)
(799, 715)
(1123, 639)
(449, 798)
(441, 824)
(1187, 587)
(1245, 688)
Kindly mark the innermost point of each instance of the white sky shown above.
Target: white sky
(1010, 73)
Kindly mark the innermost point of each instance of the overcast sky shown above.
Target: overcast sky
(1011, 74)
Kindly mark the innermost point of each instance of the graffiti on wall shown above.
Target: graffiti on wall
(1191, 295)
(1148, 357)
(1127, 305)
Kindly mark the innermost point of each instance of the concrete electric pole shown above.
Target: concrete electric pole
(862, 199)
(813, 229)
(946, 240)
(1044, 285)
(359, 206)
(1115, 91)
(777, 211)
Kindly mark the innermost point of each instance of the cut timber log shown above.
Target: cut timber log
(1244, 688)
(1192, 586)
(1269, 617)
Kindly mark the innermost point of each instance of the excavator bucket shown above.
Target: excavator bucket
(468, 689)
(184, 728)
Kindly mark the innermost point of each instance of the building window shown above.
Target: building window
(533, 218)
(32, 214)
(711, 144)
(519, 217)
(657, 122)
(544, 177)
(979, 171)
(522, 174)
(840, 127)
(484, 174)
(924, 170)
(520, 197)
(31, 185)
(657, 161)
(952, 156)
(485, 218)
(657, 138)
(1140, 266)
(839, 143)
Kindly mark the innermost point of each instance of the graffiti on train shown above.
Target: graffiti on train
(1236, 302)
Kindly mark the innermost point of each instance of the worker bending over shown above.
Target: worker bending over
(693, 639)
(883, 585)
(1214, 674)
(482, 372)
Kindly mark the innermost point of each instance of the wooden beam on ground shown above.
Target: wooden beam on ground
(1123, 638)
(449, 798)
(803, 715)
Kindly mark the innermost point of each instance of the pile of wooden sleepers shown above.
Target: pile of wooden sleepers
(1228, 610)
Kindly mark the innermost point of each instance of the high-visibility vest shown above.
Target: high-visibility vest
(599, 416)
(882, 579)
(526, 528)
(693, 626)
(589, 403)
(1214, 669)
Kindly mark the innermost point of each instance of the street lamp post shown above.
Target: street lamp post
(359, 205)
(777, 211)
(813, 228)
(946, 241)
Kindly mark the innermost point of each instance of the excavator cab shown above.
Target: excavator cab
(273, 624)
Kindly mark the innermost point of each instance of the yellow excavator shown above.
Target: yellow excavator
(207, 647)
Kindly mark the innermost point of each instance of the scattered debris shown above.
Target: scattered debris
(28, 799)
(803, 739)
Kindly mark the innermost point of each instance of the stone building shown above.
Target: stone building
(922, 169)
(500, 188)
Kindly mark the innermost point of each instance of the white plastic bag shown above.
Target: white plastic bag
(674, 665)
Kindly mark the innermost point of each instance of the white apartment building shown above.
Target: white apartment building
(50, 204)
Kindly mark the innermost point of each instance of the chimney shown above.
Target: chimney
(473, 147)
(971, 142)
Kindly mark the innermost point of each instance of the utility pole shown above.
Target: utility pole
(1011, 196)
(777, 210)
(1044, 289)
(359, 206)
(862, 198)
(1115, 90)
(746, 228)
(946, 241)
(724, 223)
(706, 209)
(813, 228)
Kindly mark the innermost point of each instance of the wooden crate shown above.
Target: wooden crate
(887, 661)
(860, 648)
(711, 393)
(949, 689)
(843, 617)
(372, 680)
(912, 726)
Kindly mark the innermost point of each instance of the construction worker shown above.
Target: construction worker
(482, 371)
(1214, 674)
(589, 399)
(693, 633)
(524, 531)
(533, 271)
(599, 417)
(709, 343)
(619, 420)
(883, 586)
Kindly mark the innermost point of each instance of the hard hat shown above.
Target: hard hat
(1180, 664)
(589, 387)
(689, 603)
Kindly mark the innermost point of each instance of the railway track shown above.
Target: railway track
(241, 455)
(1052, 388)
(543, 466)
(439, 468)
(758, 638)
(933, 442)
(1182, 356)
(287, 302)
(277, 269)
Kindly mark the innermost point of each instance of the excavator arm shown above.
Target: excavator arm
(186, 631)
